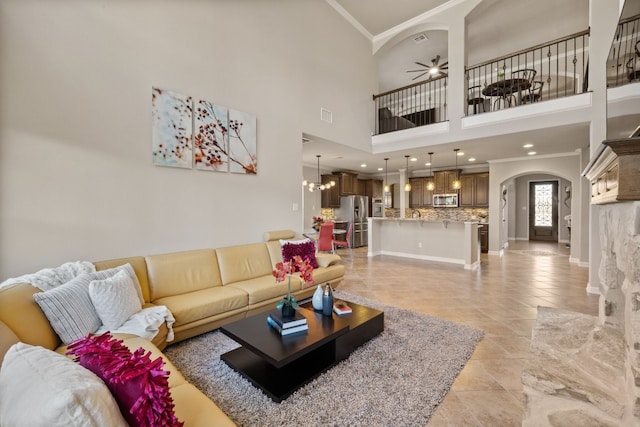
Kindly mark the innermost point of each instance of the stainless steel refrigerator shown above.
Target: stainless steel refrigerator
(355, 210)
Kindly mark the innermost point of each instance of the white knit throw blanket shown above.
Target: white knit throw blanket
(49, 278)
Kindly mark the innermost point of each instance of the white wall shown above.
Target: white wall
(76, 179)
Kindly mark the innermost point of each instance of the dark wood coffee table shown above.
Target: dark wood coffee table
(280, 365)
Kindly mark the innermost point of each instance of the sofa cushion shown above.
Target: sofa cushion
(198, 305)
(196, 409)
(39, 387)
(275, 252)
(265, 288)
(182, 273)
(139, 384)
(325, 260)
(24, 317)
(278, 234)
(326, 274)
(7, 339)
(115, 299)
(238, 263)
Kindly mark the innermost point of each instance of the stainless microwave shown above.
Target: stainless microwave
(445, 200)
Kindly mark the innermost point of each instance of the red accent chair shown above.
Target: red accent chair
(344, 243)
(325, 237)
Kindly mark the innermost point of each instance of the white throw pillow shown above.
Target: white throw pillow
(115, 299)
(130, 271)
(69, 308)
(39, 387)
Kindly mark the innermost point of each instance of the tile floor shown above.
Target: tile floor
(500, 298)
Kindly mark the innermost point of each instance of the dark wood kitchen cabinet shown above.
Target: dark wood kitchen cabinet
(483, 236)
(372, 188)
(330, 198)
(444, 181)
(348, 183)
(420, 196)
(474, 190)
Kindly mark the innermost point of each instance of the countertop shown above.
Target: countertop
(424, 220)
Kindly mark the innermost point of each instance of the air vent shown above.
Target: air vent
(420, 38)
(326, 115)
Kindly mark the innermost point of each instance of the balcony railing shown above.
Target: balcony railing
(419, 104)
(623, 63)
(550, 70)
(555, 69)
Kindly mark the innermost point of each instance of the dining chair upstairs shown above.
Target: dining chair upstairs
(527, 74)
(633, 69)
(535, 94)
(325, 237)
(475, 99)
(344, 243)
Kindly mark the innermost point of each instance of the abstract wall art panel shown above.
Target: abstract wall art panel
(211, 129)
(242, 143)
(172, 121)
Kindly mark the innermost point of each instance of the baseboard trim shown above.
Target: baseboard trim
(592, 290)
(422, 257)
(583, 264)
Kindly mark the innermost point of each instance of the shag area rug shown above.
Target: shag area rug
(398, 378)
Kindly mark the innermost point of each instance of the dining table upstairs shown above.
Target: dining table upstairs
(504, 90)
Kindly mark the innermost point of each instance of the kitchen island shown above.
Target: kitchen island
(433, 240)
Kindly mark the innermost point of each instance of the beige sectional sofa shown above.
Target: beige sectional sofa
(203, 289)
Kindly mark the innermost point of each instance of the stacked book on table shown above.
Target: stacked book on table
(287, 326)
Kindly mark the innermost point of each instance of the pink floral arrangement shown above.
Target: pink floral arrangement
(286, 269)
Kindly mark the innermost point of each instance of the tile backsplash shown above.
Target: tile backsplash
(452, 214)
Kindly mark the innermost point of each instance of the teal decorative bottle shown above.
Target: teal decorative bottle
(327, 300)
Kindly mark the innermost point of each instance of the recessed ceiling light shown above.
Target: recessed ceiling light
(380, 169)
(527, 145)
(364, 165)
(531, 153)
(460, 153)
(427, 164)
(413, 159)
(472, 159)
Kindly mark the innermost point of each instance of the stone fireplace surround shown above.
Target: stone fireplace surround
(585, 370)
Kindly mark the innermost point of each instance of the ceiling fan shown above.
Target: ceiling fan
(435, 69)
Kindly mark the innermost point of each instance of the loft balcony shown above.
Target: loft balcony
(549, 79)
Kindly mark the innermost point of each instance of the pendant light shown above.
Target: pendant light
(430, 184)
(456, 182)
(386, 175)
(312, 186)
(407, 186)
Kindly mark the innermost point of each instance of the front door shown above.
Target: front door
(543, 211)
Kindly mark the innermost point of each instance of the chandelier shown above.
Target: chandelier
(313, 186)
